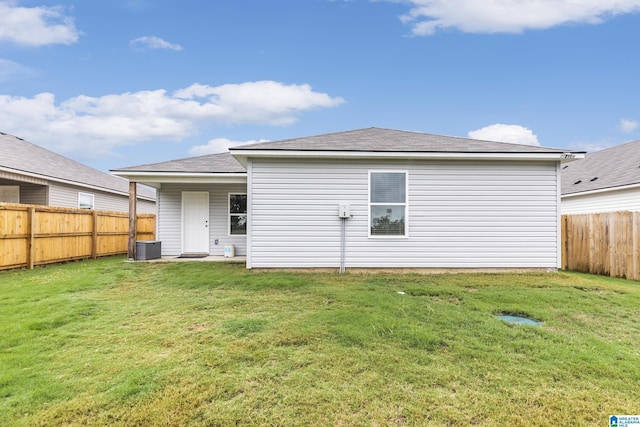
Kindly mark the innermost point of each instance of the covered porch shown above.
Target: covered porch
(201, 206)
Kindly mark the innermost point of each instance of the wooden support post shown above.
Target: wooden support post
(133, 197)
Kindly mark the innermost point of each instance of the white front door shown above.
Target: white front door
(195, 222)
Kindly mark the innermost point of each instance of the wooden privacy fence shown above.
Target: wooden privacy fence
(605, 243)
(34, 235)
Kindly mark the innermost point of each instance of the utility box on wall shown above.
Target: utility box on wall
(344, 211)
(147, 249)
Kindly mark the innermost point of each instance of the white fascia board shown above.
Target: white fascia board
(36, 179)
(46, 180)
(241, 156)
(156, 179)
(602, 190)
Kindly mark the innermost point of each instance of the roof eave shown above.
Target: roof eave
(74, 183)
(602, 190)
(156, 179)
(243, 155)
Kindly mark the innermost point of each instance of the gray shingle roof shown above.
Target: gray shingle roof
(613, 167)
(211, 163)
(388, 140)
(369, 140)
(22, 156)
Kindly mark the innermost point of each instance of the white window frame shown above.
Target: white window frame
(405, 204)
(93, 200)
(229, 214)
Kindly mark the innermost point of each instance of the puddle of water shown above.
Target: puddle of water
(518, 320)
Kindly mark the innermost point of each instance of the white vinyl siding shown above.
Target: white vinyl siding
(67, 196)
(170, 217)
(464, 214)
(31, 194)
(609, 201)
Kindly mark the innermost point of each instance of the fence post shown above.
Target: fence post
(94, 237)
(635, 245)
(565, 242)
(133, 196)
(31, 247)
(614, 244)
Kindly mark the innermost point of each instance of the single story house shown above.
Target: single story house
(31, 174)
(605, 181)
(362, 199)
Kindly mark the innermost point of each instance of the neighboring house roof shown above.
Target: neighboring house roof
(388, 140)
(211, 163)
(603, 170)
(24, 158)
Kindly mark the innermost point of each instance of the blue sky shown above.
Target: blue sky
(115, 83)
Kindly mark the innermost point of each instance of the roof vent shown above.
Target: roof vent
(577, 182)
(593, 179)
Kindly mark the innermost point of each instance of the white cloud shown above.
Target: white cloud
(93, 126)
(258, 102)
(628, 126)
(219, 145)
(514, 134)
(36, 26)
(509, 16)
(152, 42)
(10, 70)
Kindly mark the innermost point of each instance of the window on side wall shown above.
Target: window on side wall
(85, 201)
(237, 214)
(388, 204)
(10, 193)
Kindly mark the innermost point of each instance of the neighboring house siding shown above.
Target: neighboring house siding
(144, 207)
(609, 201)
(461, 214)
(67, 196)
(31, 194)
(33, 191)
(170, 217)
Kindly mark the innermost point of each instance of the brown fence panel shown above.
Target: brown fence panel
(146, 227)
(604, 243)
(14, 233)
(35, 235)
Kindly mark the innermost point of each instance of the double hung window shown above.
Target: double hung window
(85, 201)
(237, 214)
(387, 204)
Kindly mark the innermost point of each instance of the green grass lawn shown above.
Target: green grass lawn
(114, 343)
